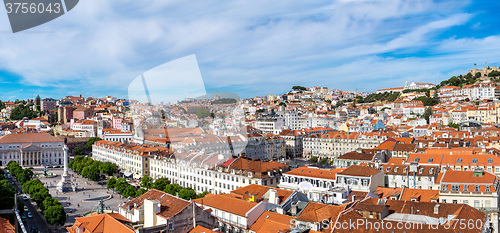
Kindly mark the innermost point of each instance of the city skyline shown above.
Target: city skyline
(249, 49)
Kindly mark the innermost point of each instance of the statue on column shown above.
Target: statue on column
(65, 185)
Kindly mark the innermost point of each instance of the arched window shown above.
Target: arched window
(417, 159)
(430, 160)
(490, 160)
(459, 160)
(474, 160)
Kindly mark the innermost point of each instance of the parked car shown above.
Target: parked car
(26, 209)
(8, 176)
(29, 215)
(25, 197)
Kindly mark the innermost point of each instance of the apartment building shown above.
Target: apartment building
(48, 104)
(360, 178)
(312, 181)
(215, 173)
(334, 144)
(132, 159)
(293, 142)
(475, 188)
(270, 125)
(378, 215)
(411, 175)
(459, 159)
(114, 135)
(264, 147)
(360, 156)
(233, 214)
(156, 209)
(84, 125)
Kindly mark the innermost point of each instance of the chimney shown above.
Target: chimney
(293, 210)
(436, 209)
(353, 199)
(194, 214)
(273, 197)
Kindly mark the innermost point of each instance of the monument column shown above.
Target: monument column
(21, 157)
(65, 185)
(65, 160)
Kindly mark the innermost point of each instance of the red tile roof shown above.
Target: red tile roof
(227, 203)
(315, 172)
(357, 170)
(101, 223)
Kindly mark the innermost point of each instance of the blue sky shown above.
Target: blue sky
(251, 48)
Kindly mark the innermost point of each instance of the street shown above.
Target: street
(38, 220)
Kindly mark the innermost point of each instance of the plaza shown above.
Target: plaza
(85, 199)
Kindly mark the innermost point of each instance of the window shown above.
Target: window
(430, 160)
(365, 182)
(487, 188)
(466, 202)
(466, 187)
(417, 159)
(459, 160)
(476, 188)
(455, 187)
(474, 160)
(445, 187)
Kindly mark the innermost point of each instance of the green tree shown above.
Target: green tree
(140, 192)
(299, 88)
(160, 183)
(427, 101)
(55, 214)
(111, 183)
(26, 175)
(323, 161)
(7, 195)
(108, 168)
(187, 194)
(37, 102)
(48, 202)
(202, 195)
(453, 125)
(91, 141)
(146, 182)
(78, 150)
(92, 172)
(21, 111)
(202, 113)
(129, 191)
(120, 185)
(40, 196)
(313, 159)
(427, 114)
(172, 189)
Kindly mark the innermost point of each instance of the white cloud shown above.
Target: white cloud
(100, 46)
